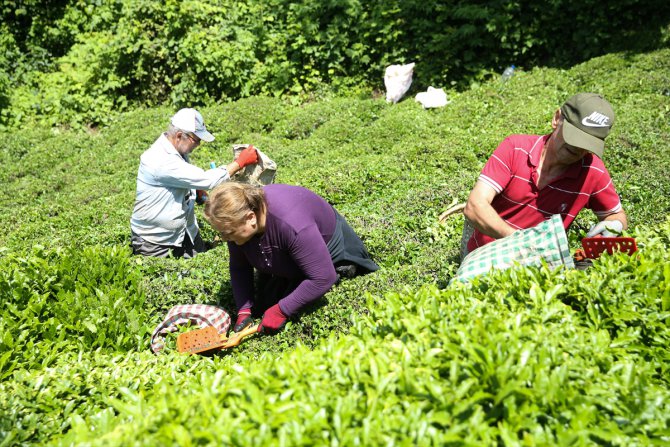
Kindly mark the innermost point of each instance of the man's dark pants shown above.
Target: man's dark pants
(187, 250)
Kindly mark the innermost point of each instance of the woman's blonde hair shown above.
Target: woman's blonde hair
(230, 202)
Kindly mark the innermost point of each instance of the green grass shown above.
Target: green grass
(526, 357)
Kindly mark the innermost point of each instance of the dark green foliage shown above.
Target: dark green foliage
(78, 63)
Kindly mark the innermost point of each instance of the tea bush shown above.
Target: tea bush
(512, 358)
(526, 356)
(73, 299)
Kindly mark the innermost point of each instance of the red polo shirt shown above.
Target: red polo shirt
(512, 173)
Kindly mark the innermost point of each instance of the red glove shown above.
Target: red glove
(274, 320)
(248, 156)
(243, 319)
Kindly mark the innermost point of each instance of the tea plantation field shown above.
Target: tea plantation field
(524, 357)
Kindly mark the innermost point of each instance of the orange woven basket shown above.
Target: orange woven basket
(208, 339)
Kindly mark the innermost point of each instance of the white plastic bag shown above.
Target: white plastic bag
(397, 79)
(434, 97)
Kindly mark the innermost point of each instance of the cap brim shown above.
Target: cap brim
(204, 135)
(578, 138)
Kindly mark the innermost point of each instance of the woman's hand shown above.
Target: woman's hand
(274, 320)
(243, 319)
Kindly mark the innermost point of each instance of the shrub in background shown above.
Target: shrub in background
(8, 53)
(81, 61)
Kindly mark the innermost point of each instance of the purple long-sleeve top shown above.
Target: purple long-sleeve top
(298, 225)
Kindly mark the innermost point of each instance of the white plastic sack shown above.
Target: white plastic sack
(434, 97)
(259, 174)
(397, 79)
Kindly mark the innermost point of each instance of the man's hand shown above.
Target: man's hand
(606, 228)
(200, 196)
(247, 157)
(482, 215)
(274, 320)
(243, 319)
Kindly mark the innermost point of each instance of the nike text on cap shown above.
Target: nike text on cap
(588, 120)
(190, 120)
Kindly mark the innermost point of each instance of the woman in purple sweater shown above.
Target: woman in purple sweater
(297, 242)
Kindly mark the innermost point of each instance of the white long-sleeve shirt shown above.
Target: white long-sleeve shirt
(165, 198)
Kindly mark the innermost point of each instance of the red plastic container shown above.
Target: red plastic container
(595, 246)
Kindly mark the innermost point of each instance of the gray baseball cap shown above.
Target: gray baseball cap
(588, 119)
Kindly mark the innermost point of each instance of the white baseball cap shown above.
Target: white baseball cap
(190, 120)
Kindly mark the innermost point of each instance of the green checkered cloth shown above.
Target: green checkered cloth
(544, 242)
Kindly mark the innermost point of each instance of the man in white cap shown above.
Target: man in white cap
(163, 221)
(531, 177)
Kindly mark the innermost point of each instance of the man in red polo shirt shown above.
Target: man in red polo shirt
(531, 177)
